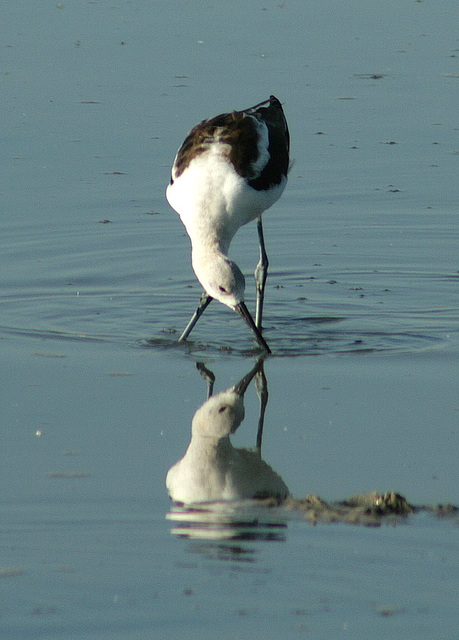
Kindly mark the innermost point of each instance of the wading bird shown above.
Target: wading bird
(229, 170)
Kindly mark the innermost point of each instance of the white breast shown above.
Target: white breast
(211, 197)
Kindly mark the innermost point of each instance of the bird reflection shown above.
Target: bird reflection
(220, 529)
(212, 470)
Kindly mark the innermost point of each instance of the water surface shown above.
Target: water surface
(362, 316)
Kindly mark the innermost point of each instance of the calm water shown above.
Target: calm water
(96, 283)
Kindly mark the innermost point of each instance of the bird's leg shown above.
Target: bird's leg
(208, 376)
(203, 304)
(261, 273)
(261, 386)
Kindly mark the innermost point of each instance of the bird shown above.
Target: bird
(212, 470)
(229, 169)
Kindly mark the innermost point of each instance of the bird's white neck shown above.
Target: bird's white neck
(205, 253)
(205, 447)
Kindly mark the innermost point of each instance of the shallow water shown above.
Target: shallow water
(96, 285)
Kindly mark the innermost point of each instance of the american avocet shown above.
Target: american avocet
(229, 169)
(212, 469)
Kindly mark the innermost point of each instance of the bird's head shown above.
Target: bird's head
(219, 416)
(221, 278)
(222, 414)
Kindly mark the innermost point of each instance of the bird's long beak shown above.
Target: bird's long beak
(245, 314)
(241, 387)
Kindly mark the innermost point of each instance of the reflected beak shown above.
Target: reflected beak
(241, 387)
(245, 314)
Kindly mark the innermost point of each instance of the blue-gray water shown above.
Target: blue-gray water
(362, 315)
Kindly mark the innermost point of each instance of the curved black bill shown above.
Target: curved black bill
(245, 313)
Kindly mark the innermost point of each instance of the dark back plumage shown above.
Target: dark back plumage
(238, 129)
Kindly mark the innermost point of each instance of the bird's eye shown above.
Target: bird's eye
(222, 289)
(223, 409)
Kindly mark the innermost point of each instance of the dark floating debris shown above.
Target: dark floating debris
(369, 509)
(444, 510)
(370, 76)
